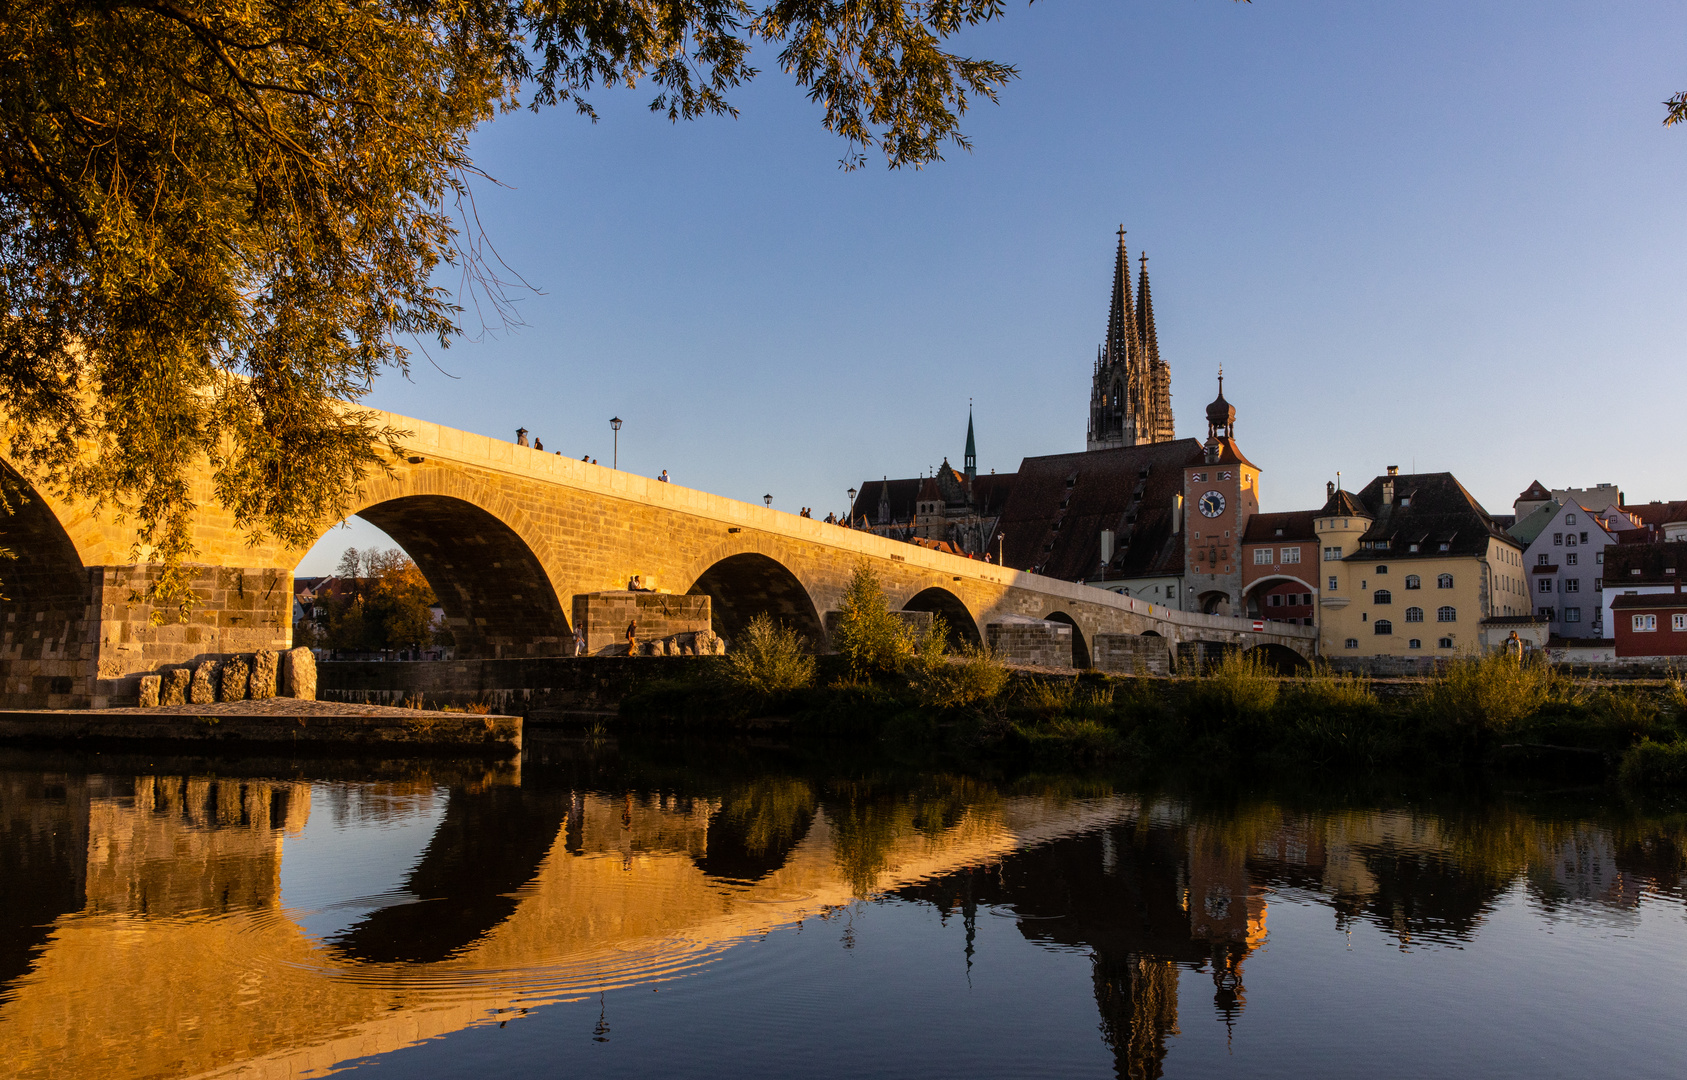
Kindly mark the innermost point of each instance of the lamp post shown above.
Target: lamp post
(615, 425)
(768, 500)
(851, 512)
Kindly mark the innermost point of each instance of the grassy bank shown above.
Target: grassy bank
(924, 691)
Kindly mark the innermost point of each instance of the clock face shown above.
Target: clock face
(1212, 504)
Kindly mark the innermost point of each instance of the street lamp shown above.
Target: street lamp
(768, 499)
(615, 425)
(851, 513)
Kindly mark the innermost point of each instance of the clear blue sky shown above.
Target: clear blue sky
(1447, 234)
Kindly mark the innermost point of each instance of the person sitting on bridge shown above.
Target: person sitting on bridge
(538, 444)
(664, 476)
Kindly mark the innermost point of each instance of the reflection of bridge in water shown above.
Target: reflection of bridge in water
(164, 947)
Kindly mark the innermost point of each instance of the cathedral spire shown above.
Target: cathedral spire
(971, 452)
(1145, 334)
(1121, 319)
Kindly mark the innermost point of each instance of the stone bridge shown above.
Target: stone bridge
(507, 536)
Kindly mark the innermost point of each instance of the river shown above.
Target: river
(609, 909)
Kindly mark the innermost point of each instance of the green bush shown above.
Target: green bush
(1655, 764)
(1240, 687)
(1070, 738)
(872, 639)
(973, 677)
(1321, 689)
(1494, 694)
(769, 660)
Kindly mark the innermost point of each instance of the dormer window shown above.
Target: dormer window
(1405, 500)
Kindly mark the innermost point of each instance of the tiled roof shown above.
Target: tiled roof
(1343, 504)
(989, 492)
(1535, 492)
(1061, 502)
(1650, 600)
(1658, 513)
(1293, 525)
(1429, 509)
(1652, 560)
(1533, 522)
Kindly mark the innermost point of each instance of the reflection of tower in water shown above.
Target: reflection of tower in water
(1138, 1001)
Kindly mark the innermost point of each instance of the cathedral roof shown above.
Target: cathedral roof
(1121, 316)
(1061, 502)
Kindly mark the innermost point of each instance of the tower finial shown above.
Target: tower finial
(1121, 235)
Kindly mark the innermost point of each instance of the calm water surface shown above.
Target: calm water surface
(618, 911)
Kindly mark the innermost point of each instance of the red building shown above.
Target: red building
(1650, 625)
(1280, 567)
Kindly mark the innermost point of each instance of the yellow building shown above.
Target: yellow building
(1410, 566)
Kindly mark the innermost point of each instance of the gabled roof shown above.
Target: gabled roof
(1534, 522)
(1293, 525)
(1650, 600)
(1428, 509)
(1535, 492)
(1061, 503)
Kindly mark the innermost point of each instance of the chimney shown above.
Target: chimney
(1329, 489)
(1394, 470)
(1388, 489)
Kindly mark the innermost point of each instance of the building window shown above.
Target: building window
(1332, 554)
(1445, 581)
(1599, 557)
(1444, 546)
(1291, 555)
(1412, 547)
(1382, 596)
(1545, 613)
(1415, 643)
(1306, 598)
(1543, 584)
(1171, 592)
(1352, 643)
(1382, 568)
(1584, 538)
(1570, 558)
(1641, 624)
(1543, 559)
(1332, 584)
(1413, 582)
(1383, 626)
(1414, 614)
(1446, 614)
(1557, 539)
(1444, 643)
(1572, 614)
(1276, 601)
(1569, 519)
(1678, 622)
(1571, 542)
(1262, 556)
(1572, 584)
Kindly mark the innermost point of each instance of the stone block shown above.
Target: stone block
(237, 679)
(176, 684)
(263, 675)
(299, 674)
(204, 688)
(150, 685)
(1035, 642)
(1132, 654)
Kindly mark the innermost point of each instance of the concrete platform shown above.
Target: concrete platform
(274, 722)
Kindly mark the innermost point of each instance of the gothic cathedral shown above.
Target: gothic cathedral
(1130, 396)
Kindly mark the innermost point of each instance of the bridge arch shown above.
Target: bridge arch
(742, 586)
(43, 602)
(1080, 647)
(1252, 596)
(498, 598)
(1281, 658)
(963, 628)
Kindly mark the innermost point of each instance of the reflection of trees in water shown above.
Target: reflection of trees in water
(868, 818)
(758, 823)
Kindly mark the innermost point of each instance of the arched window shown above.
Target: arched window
(1444, 643)
(1384, 626)
(1414, 614)
(1382, 596)
(1352, 643)
(1445, 581)
(1446, 614)
(1415, 643)
(1412, 582)
(1382, 569)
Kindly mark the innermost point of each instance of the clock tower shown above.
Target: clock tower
(1220, 494)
